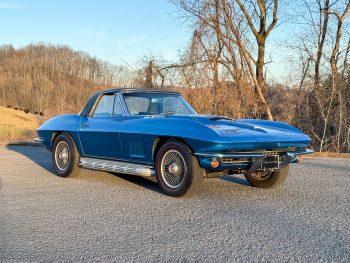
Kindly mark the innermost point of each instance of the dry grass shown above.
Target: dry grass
(16, 125)
(331, 155)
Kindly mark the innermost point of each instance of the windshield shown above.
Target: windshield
(142, 103)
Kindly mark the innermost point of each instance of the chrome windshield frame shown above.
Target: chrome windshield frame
(183, 101)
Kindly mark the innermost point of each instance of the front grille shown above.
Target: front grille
(235, 160)
(273, 152)
(268, 151)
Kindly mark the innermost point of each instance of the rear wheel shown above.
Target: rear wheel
(178, 171)
(267, 179)
(65, 156)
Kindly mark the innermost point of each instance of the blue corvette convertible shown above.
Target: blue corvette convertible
(150, 132)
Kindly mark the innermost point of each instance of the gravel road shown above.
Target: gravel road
(101, 217)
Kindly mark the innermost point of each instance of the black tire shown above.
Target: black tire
(65, 156)
(263, 179)
(178, 171)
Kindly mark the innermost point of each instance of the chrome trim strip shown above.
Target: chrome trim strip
(117, 167)
(39, 139)
(247, 154)
(231, 155)
(122, 103)
(97, 101)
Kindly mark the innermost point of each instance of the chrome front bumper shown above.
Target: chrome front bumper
(248, 154)
(38, 139)
(247, 161)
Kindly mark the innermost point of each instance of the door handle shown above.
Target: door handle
(84, 125)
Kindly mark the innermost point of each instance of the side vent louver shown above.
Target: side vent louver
(136, 148)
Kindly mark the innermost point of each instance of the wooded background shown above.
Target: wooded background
(222, 71)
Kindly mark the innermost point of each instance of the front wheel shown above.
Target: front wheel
(178, 171)
(267, 179)
(65, 156)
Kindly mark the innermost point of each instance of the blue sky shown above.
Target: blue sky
(120, 31)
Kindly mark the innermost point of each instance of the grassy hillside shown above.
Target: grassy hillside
(51, 79)
(17, 125)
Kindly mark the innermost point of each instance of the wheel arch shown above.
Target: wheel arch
(161, 140)
(54, 136)
(193, 175)
(56, 133)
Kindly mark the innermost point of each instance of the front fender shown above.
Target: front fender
(63, 123)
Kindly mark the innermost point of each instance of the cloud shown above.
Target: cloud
(10, 5)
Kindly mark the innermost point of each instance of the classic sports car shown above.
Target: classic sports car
(150, 132)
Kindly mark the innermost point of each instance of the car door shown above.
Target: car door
(99, 132)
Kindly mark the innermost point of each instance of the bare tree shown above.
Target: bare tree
(221, 46)
(324, 47)
(261, 30)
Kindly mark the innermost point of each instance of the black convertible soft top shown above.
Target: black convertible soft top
(91, 102)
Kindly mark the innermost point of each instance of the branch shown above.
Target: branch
(249, 20)
(274, 20)
(343, 16)
(347, 9)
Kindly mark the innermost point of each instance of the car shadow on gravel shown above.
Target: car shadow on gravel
(111, 178)
(148, 183)
(42, 157)
(37, 154)
(236, 180)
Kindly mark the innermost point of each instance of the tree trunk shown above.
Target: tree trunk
(260, 65)
(149, 75)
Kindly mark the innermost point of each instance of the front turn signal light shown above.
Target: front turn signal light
(214, 163)
(300, 158)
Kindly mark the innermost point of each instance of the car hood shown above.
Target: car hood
(251, 130)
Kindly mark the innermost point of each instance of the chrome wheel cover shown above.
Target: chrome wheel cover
(62, 154)
(173, 168)
(261, 175)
